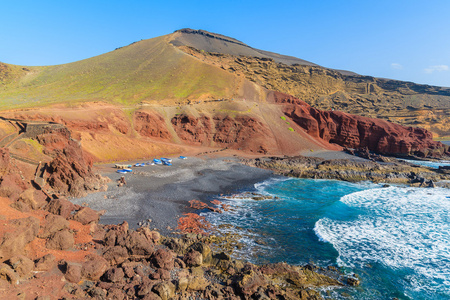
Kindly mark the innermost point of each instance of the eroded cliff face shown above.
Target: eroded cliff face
(405, 103)
(108, 133)
(244, 133)
(193, 130)
(354, 131)
(150, 125)
(68, 170)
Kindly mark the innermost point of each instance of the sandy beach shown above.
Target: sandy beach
(161, 193)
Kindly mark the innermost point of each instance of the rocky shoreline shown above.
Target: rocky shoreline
(121, 263)
(53, 248)
(389, 170)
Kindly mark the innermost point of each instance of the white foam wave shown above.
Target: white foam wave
(431, 164)
(261, 186)
(402, 228)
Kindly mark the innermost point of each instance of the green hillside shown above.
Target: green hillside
(147, 70)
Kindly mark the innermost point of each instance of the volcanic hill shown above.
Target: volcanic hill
(194, 91)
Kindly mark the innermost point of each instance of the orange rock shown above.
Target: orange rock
(193, 223)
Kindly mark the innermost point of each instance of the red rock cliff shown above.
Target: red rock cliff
(354, 131)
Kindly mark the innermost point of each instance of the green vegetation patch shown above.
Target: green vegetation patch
(283, 118)
(35, 144)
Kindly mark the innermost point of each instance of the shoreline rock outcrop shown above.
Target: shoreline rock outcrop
(390, 171)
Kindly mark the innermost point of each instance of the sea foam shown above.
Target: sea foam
(400, 228)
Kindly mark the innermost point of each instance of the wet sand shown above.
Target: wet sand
(161, 193)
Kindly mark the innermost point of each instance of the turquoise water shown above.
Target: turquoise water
(397, 239)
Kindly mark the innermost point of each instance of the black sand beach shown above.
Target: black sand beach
(161, 193)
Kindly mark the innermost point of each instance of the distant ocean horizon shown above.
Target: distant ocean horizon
(396, 238)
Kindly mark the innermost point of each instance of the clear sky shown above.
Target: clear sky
(399, 39)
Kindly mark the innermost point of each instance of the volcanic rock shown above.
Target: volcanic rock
(53, 223)
(61, 240)
(73, 272)
(204, 249)
(7, 273)
(86, 215)
(137, 244)
(150, 125)
(22, 265)
(197, 283)
(165, 290)
(60, 206)
(250, 283)
(13, 243)
(113, 275)
(45, 263)
(192, 129)
(32, 198)
(94, 267)
(115, 254)
(354, 131)
(193, 258)
(163, 259)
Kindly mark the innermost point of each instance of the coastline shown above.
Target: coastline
(161, 193)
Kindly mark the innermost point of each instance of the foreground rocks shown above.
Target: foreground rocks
(137, 264)
(140, 264)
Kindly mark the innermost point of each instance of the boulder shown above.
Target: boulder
(165, 290)
(73, 272)
(53, 223)
(22, 265)
(161, 274)
(137, 244)
(97, 293)
(193, 258)
(115, 255)
(145, 287)
(352, 281)
(60, 206)
(86, 215)
(110, 238)
(182, 284)
(31, 198)
(156, 237)
(116, 294)
(113, 275)
(250, 282)
(152, 236)
(151, 296)
(197, 283)
(60, 240)
(24, 231)
(285, 272)
(45, 263)
(20, 206)
(94, 267)
(163, 259)
(204, 249)
(7, 273)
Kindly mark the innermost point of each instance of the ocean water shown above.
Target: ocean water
(397, 239)
(431, 164)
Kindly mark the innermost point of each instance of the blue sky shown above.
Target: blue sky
(405, 40)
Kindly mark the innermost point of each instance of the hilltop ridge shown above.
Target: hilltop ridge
(194, 90)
